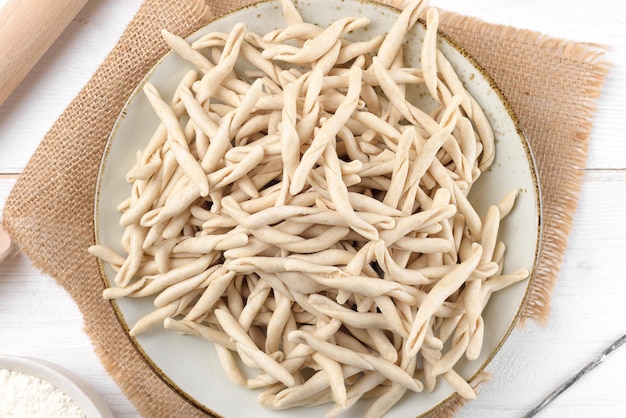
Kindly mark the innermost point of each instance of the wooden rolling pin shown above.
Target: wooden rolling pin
(27, 30)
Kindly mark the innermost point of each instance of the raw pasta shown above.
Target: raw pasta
(306, 217)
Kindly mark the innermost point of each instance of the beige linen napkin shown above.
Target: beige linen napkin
(551, 84)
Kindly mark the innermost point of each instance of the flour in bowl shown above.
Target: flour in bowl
(24, 395)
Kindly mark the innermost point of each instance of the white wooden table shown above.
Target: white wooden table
(38, 318)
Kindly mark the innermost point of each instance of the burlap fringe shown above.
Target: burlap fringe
(553, 247)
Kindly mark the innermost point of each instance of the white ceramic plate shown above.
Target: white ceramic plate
(84, 396)
(189, 363)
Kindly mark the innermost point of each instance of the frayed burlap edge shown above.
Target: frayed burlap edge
(555, 244)
(557, 223)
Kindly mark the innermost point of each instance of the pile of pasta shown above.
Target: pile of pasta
(296, 209)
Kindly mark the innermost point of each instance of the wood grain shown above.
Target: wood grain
(27, 29)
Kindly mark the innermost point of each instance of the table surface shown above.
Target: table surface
(38, 318)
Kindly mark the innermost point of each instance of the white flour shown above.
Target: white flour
(23, 395)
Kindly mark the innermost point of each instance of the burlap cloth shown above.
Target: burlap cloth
(552, 85)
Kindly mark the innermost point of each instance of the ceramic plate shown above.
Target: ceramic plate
(189, 363)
